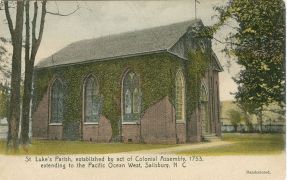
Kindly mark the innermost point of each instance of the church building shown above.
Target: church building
(156, 85)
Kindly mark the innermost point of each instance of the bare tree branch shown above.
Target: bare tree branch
(226, 42)
(57, 6)
(36, 44)
(27, 40)
(34, 22)
(42, 23)
(60, 14)
(8, 17)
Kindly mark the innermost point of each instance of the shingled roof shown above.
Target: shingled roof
(119, 45)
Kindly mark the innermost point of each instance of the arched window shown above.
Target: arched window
(57, 102)
(179, 97)
(131, 97)
(91, 100)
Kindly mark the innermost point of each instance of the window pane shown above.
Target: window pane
(131, 97)
(60, 106)
(136, 101)
(57, 102)
(91, 101)
(179, 96)
(128, 102)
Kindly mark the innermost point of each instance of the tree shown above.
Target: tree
(16, 39)
(235, 118)
(30, 55)
(247, 111)
(258, 42)
(32, 44)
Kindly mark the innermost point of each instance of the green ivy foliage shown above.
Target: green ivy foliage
(196, 68)
(157, 76)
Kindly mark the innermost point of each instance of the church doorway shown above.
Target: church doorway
(203, 110)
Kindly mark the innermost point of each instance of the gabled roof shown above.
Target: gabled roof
(217, 64)
(119, 45)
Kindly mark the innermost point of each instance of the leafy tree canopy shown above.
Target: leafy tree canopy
(258, 42)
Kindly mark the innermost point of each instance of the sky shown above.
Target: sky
(99, 18)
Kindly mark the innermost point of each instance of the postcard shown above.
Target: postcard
(142, 90)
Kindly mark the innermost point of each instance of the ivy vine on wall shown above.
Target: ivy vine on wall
(196, 68)
(157, 75)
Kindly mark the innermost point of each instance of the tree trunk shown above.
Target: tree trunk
(14, 111)
(27, 80)
(29, 64)
(26, 103)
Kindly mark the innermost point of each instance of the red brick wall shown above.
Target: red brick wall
(105, 130)
(131, 133)
(158, 123)
(40, 122)
(41, 129)
(101, 132)
(40, 119)
(55, 132)
(157, 126)
(90, 132)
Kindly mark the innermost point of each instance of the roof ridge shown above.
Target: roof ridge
(136, 31)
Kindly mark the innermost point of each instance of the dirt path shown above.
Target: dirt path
(180, 148)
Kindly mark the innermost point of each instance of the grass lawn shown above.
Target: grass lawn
(46, 147)
(244, 144)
